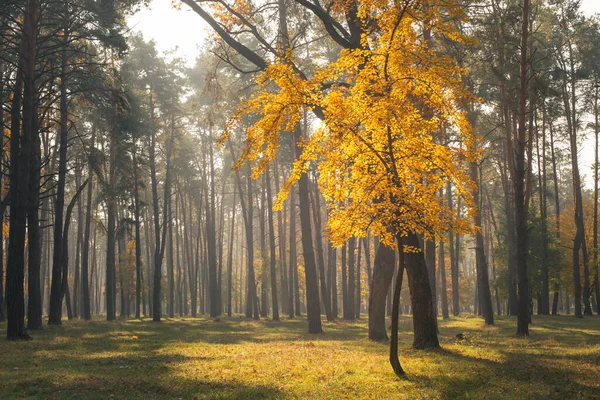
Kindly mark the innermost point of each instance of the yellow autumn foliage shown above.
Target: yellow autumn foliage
(386, 108)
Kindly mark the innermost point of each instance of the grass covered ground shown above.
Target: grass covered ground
(240, 359)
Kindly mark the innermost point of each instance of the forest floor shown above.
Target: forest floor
(235, 358)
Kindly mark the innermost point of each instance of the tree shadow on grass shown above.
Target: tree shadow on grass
(137, 374)
(100, 386)
(522, 376)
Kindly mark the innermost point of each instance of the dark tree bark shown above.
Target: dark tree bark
(556, 210)
(111, 215)
(272, 260)
(383, 272)
(345, 281)
(65, 251)
(281, 216)
(313, 311)
(521, 209)
(351, 279)
(394, 361)
(294, 304)
(138, 242)
(544, 306)
(424, 321)
(357, 297)
(332, 266)
(263, 253)
(230, 255)
(55, 310)
(483, 280)
(453, 260)
(595, 235)
(429, 246)
(34, 245)
(325, 296)
(211, 241)
(19, 174)
(443, 289)
(170, 265)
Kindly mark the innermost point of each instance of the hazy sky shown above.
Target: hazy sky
(185, 30)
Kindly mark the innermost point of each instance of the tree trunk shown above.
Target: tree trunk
(429, 248)
(213, 291)
(325, 296)
(294, 304)
(453, 260)
(394, 361)
(138, 242)
(313, 311)
(282, 242)
(383, 272)
(596, 134)
(483, 281)
(272, 260)
(545, 289)
(34, 245)
(55, 311)
(424, 321)
(442, 269)
(230, 255)
(521, 209)
(332, 266)
(351, 278)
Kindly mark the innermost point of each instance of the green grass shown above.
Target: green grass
(240, 359)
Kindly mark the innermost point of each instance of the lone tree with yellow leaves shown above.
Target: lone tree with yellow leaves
(384, 105)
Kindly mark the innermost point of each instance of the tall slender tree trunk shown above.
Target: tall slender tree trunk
(556, 210)
(544, 306)
(55, 311)
(313, 311)
(345, 281)
(483, 281)
(230, 255)
(332, 263)
(453, 260)
(596, 167)
(263, 254)
(272, 259)
(521, 209)
(325, 296)
(213, 291)
(429, 248)
(282, 252)
(138, 241)
(351, 278)
(442, 269)
(394, 361)
(294, 304)
(34, 245)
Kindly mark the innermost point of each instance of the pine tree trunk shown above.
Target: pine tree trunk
(272, 260)
(34, 245)
(55, 311)
(521, 212)
(483, 280)
(424, 321)
(138, 241)
(325, 296)
(453, 260)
